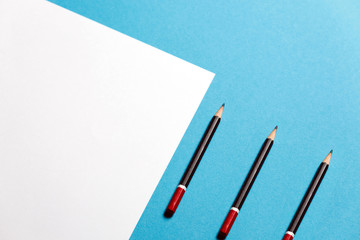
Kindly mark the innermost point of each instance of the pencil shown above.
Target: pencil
(245, 188)
(309, 195)
(194, 163)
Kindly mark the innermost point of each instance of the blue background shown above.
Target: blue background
(295, 64)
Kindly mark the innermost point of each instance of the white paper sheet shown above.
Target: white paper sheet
(89, 120)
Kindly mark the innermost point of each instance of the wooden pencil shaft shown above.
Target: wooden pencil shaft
(200, 150)
(254, 171)
(309, 195)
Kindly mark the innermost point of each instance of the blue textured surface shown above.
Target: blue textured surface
(291, 63)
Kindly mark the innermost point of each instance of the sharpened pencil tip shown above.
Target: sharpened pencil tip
(272, 134)
(220, 111)
(276, 127)
(328, 157)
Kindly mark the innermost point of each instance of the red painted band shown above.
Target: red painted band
(175, 200)
(229, 221)
(288, 237)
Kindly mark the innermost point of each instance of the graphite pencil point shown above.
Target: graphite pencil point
(272, 134)
(220, 111)
(328, 157)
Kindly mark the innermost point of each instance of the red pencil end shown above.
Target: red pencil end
(168, 213)
(288, 236)
(174, 202)
(221, 235)
(229, 221)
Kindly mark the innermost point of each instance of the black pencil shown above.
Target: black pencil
(245, 188)
(309, 195)
(194, 163)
